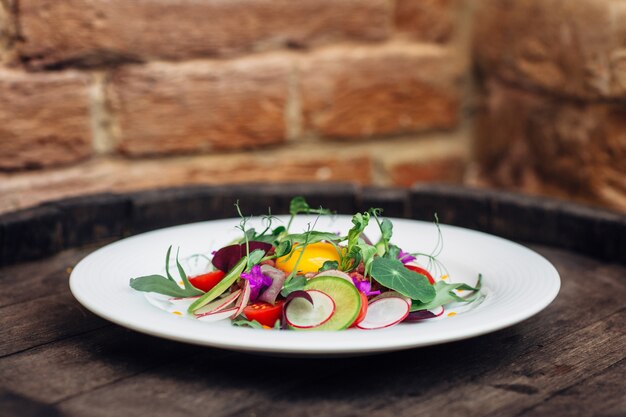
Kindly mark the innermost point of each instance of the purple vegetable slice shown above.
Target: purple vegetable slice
(278, 279)
(226, 258)
(424, 314)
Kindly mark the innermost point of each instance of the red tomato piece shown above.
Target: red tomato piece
(264, 313)
(207, 281)
(421, 271)
(362, 311)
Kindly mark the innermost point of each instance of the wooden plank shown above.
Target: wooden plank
(63, 369)
(604, 394)
(43, 320)
(207, 385)
(425, 385)
(36, 279)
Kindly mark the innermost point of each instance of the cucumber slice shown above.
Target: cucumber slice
(346, 297)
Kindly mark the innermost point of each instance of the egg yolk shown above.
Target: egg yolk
(314, 256)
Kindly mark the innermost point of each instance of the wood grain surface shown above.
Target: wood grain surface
(56, 358)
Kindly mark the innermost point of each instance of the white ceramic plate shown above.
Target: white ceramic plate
(517, 284)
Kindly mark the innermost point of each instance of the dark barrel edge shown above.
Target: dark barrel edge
(41, 231)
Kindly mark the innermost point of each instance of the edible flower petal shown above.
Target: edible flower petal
(405, 257)
(364, 286)
(258, 281)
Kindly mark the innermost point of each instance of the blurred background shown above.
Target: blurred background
(118, 95)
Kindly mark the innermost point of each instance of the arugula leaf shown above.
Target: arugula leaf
(167, 264)
(328, 265)
(247, 323)
(161, 285)
(392, 274)
(445, 294)
(294, 284)
(183, 276)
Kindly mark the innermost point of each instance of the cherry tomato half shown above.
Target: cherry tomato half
(362, 311)
(207, 281)
(422, 271)
(264, 313)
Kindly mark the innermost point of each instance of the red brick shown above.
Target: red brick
(94, 31)
(549, 145)
(44, 119)
(392, 89)
(571, 48)
(427, 20)
(441, 170)
(30, 188)
(7, 28)
(200, 106)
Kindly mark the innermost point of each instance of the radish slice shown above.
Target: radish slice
(437, 311)
(242, 302)
(335, 273)
(217, 316)
(182, 303)
(391, 294)
(218, 305)
(384, 312)
(303, 315)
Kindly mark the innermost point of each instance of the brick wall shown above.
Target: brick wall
(101, 95)
(119, 95)
(553, 82)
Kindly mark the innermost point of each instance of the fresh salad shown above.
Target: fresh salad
(311, 280)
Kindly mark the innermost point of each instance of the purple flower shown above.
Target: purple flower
(405, 257)
(258, 281)
(365, 287)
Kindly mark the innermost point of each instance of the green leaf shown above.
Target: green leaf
(255, 257)
(368, 253)
(247, 323)
(328, 265)
(277, 231)
(360, 222)
(445, 294)
(314, 236)
(161, 285)
(222, 286)
(392, 274)
(294, 284)
(167, 264)
(283, 248)
(393, 252)
(386, 228)
(183, 276)
(298, 205)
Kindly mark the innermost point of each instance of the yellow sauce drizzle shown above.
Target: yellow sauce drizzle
(452, 314)
(178, 313)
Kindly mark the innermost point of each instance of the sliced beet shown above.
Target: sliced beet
(424, 314)
(226, 258)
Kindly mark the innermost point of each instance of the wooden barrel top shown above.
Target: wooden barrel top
(56, 358)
